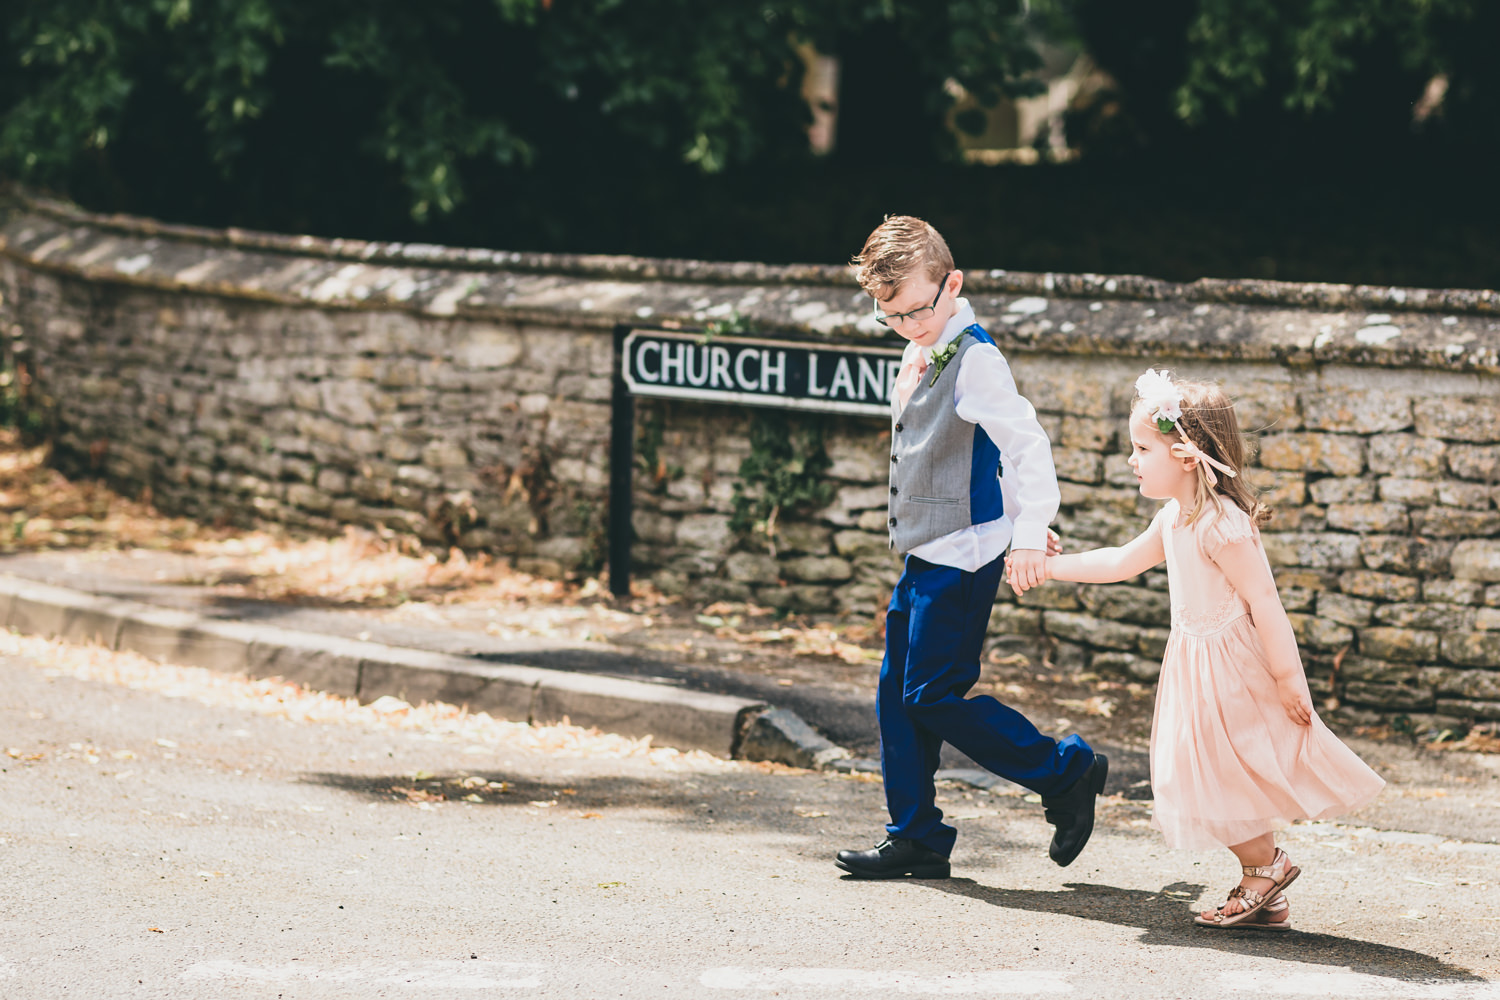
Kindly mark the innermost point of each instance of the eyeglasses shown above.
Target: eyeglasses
(918, 314)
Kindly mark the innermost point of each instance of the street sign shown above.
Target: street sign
(782, 374)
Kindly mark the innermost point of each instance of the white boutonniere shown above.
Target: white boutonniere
(941, 358)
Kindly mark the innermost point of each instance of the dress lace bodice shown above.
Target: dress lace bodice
(1203, 602)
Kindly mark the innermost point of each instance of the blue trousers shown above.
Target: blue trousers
(934, 633)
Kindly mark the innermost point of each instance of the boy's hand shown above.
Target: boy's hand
(1025, 569)
(1295, 700)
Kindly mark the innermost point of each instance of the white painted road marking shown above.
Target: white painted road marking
(994, 983)
(430, 975)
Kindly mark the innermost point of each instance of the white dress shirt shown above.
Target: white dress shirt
(985, 394)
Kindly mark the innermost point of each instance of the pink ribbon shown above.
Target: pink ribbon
(1186, 449)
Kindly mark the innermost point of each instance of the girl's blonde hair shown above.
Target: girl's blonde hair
(1208, 421)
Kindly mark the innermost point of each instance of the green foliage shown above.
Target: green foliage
(1305, 51)
(783, 471)
(429, 92)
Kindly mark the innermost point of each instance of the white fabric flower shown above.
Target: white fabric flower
(1162, 399)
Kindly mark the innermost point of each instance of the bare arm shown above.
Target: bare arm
(1248, 574)
(1110, 565)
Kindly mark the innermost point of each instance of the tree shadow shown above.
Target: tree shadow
(1166, 920)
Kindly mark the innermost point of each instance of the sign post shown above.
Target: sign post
(788, 375)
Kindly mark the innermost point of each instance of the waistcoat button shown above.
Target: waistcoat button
(894, 491)
(893, 522)
(900, 426)
(894, 458)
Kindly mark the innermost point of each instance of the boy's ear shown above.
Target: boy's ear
(955, 283)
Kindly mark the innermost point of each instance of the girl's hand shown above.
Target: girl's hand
(1054, 544)
(1295, 700)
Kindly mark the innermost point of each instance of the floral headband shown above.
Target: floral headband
(1162, 401)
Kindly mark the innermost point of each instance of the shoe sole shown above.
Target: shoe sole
(1097, 787)
(924, 871)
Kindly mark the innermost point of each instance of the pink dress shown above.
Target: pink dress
(1227, 765)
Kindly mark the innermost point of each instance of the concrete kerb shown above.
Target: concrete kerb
(721, 724)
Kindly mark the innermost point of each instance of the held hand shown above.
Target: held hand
(1025, 569)
(1296, 700)
(1054, 544)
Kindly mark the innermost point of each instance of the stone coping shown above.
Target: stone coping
(1130, 316)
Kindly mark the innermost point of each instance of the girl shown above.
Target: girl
(1236, 748)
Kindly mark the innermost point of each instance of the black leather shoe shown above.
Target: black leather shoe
(894, 857)
(1072, 812)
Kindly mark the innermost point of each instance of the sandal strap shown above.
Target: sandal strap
(1252, 898)
(1280, 860)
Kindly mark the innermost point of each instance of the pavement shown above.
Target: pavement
(581, 664)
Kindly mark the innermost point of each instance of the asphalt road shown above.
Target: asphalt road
(191, 842)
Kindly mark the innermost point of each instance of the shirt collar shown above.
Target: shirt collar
(961, 320)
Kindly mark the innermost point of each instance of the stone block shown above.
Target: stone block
(1152, 642)
(1481, 684)
(1477, 559)
(1351, 410)
(1475, 461)
(1339, 490)
(1487, 619)
(1077, 465)
(1299, 588)
(1278, 489)
(781, 737)
(1437, 617)
(1367, 518)
(1408, 456)
(309, 498)
(1313, 550)
(1461, 494)
(1063, 389)
(1363, 668)
(857, 543)
(1321, 634)
(1392, 697)
(1492, 596)
(1139, 605)
(1486, 710)
(1117, 472)
(1344, 609)
(1455, 522)
(1401, 554)
(1090, 433)
(1090, 631)
(1053, 597)
(801, 536)
(1459, 418)
(817, 569)
(706, 534)
(1399, 644)
(1472, 649)
(1008, 619)
(484, 348)
(1411, 492)
(1448, 591)
(853, 499)
(874, 521)
(862, 459)
(1383, 586)
(1336, 454)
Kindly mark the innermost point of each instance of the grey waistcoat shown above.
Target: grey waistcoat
(934, 452)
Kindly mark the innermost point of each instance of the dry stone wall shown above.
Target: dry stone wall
(463, 398)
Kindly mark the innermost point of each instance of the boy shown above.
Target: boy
(971, 474)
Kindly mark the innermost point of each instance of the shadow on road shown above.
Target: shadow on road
(1166, 920)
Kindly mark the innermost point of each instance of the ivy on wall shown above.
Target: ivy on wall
(784, 470)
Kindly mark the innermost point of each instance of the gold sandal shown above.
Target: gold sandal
(1265, 920)
(1280, 871)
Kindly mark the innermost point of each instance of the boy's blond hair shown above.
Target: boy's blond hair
(902, 247)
